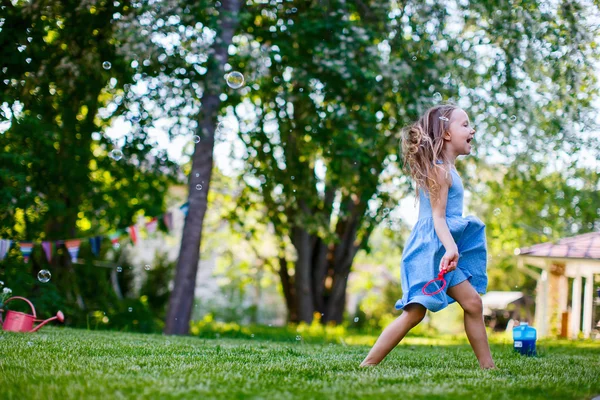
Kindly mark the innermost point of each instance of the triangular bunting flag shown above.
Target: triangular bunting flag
(4, 247)
(26, 249)
(114, 239)
(47, 246)
(132, 233)
(185, 208)
(151, 225)
(168, 220)
(73, 248)
(95, 244)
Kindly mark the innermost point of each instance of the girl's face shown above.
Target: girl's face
(460, 133)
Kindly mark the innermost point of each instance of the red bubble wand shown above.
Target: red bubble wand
(440, 278)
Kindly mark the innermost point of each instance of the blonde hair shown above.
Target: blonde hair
(422, 145)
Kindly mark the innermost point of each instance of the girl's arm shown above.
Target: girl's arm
(439, 221)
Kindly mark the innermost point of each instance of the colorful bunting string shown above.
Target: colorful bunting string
(152, 225)
(73, 248)
(95, 244)
(168, 220)
(132, 233)
(185, 208)
(26, 250)
(114, 239)
(73, 245)
(4, 247)
(47, 246)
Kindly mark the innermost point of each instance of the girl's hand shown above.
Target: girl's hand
(449, 260)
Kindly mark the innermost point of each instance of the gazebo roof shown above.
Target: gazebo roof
(585, 246)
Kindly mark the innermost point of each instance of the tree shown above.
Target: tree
(182, 296)
(334, 81)
(63, 83)
(525, 203)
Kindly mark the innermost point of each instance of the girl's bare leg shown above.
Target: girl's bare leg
(470, 301)
(393, 333)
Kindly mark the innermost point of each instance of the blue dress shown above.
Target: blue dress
(423, 252)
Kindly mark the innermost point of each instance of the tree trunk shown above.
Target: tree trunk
(303, 274)
(288, 290)
(182, 297)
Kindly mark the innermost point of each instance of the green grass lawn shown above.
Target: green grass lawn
(58, 363)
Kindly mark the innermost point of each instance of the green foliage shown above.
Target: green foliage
(64, 81)
(527, 203)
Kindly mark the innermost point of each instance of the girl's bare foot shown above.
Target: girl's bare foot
(366, 364)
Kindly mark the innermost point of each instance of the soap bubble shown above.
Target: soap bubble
(119, 269)
(147, 267)
(130, 309)
(116, 154)
(198, 187)
(356, 319)
(513, 118)
(235, 79)
(298, 337)
(252, 335)
(497, 211)
(196, 139)
(44, 276)
(106, 65)
(437, 96)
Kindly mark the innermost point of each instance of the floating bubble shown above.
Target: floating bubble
(147, 267)
(437, 96)
(513, 118)
(197, 175)
(222, 129)
(44, 276)
(497, 211)
(130, 309)
(356, 319)
(106, 65)
(235, 79)
(298, 337)
(116, 154)
(198, 187)
(252, 335)
(135, 118)
(196, 139)
(119, 269)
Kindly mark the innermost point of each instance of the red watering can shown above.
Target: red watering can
(20, 322)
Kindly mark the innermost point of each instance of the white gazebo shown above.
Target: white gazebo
(553, 264)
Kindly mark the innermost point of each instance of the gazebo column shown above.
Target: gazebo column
(588, 301)
(576, 308)
(541, 306)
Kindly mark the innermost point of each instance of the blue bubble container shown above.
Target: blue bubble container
(524, 337)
